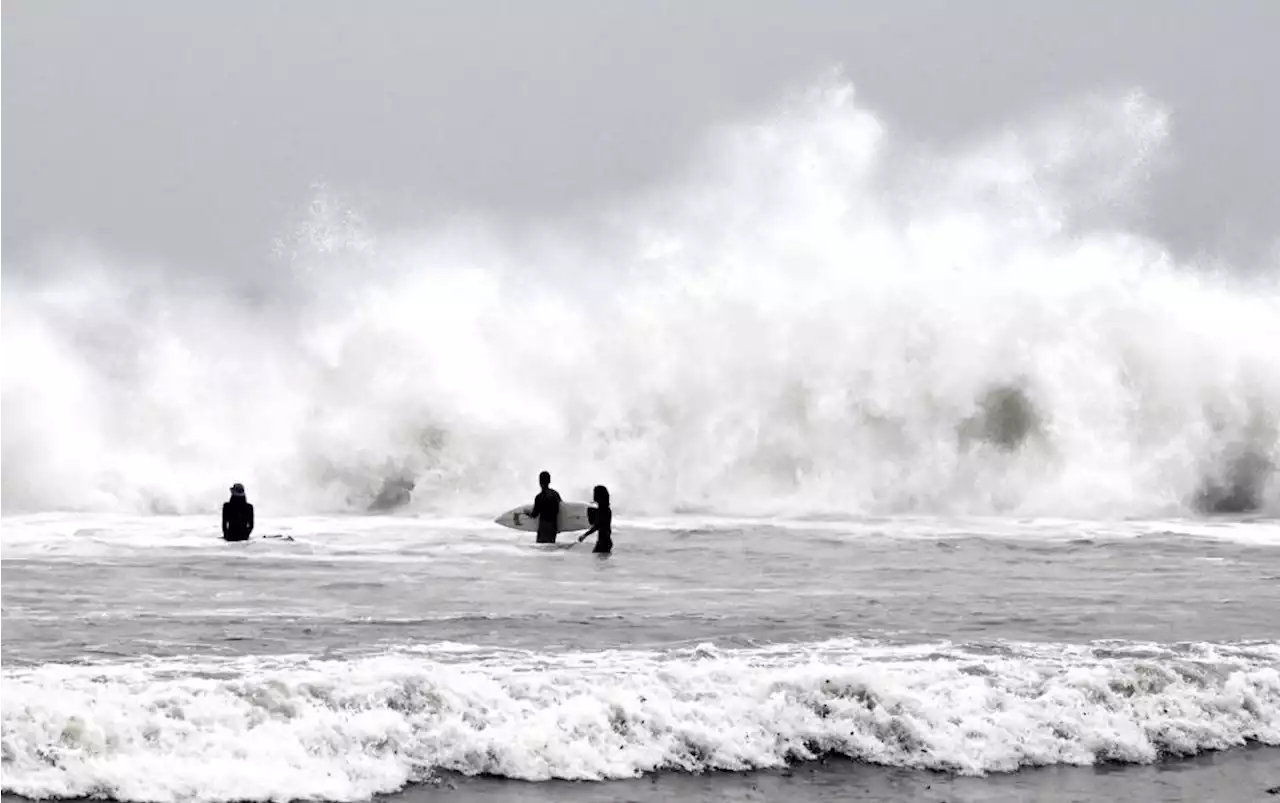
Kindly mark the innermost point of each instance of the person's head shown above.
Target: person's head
(237, 490)
(544, 479)
(601, 495)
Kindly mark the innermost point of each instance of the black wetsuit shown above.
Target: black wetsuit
(237, 519)
(546, 507)
(604, 530)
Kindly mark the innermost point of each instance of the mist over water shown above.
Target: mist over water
(814, 316)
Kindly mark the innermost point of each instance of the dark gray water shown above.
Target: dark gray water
(370, 653)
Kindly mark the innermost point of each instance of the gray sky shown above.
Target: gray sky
(191, 131)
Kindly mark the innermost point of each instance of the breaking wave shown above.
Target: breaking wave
(815, 317)
(253, 729)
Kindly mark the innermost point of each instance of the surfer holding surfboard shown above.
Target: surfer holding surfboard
(546, 509)
(549, 516)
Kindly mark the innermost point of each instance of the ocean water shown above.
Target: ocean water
(144, 659)
(933, 479)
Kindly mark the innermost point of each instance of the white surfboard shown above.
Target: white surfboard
(573, 516)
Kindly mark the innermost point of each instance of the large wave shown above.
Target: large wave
(289, 728)
(814, 318)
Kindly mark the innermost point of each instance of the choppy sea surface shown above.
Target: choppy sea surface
(708, 658)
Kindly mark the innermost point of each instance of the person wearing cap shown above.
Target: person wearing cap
(237, 516)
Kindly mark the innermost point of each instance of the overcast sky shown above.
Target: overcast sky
(191, 131)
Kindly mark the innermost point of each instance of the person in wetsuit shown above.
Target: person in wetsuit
(237, 516)
(546, 507)
(603, 526)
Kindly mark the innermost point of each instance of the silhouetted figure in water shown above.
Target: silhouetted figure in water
(603, 526)
(546, 507)
(237, 516)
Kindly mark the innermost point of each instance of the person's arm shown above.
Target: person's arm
(533, 511)
(583, 537)
(250, 530)
(226, 523)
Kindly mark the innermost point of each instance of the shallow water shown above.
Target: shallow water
(145, 659)
(1238, 776)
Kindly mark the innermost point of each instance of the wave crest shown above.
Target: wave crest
(816, 319)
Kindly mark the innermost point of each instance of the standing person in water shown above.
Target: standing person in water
(546, 508)
(237, 516)
(604, 522)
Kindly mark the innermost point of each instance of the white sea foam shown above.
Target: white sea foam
(288, 727)
(812, 318)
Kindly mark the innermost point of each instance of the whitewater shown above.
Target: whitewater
(809, 318)
(145, 660)
(933, 479)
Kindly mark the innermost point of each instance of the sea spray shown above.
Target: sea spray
(812, 317)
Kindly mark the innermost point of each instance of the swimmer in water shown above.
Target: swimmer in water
(237, 516)
(603, 528)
